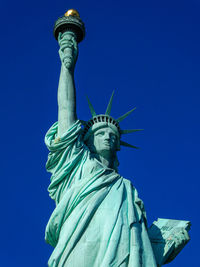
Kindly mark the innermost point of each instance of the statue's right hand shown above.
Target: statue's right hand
(68, 49)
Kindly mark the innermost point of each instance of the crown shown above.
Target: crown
(102, 120)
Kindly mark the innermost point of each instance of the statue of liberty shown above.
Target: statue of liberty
(98, 221)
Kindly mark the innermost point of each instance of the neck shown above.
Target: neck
(107, 159)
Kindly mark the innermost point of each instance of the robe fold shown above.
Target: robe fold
(99, 221)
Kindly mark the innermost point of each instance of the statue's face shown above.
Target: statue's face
(105, 140)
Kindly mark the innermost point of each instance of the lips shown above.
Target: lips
(106, 143)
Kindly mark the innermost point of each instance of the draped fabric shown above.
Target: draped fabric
(99, 221)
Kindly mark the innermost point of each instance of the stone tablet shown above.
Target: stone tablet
(163, 233)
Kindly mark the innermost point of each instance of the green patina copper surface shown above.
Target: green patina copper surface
(98, 221)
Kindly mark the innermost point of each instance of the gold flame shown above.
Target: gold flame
(72, 12)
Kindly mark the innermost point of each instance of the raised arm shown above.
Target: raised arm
(66, 90)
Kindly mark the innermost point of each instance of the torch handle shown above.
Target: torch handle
(68, 49)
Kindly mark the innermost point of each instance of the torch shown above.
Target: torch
(70, 23)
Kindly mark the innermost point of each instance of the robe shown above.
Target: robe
(98, 221)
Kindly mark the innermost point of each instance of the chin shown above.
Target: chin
(106, 149)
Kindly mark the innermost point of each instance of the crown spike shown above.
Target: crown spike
(109, 104)
(122, 143)
(125, 115)
(130, 131)
(91, 107)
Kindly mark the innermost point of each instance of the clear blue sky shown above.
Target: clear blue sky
(148, 52)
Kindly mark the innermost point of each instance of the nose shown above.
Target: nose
(107, 136)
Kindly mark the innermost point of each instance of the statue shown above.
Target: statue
(98, 219)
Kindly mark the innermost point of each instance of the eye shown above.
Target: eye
(99, 134)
